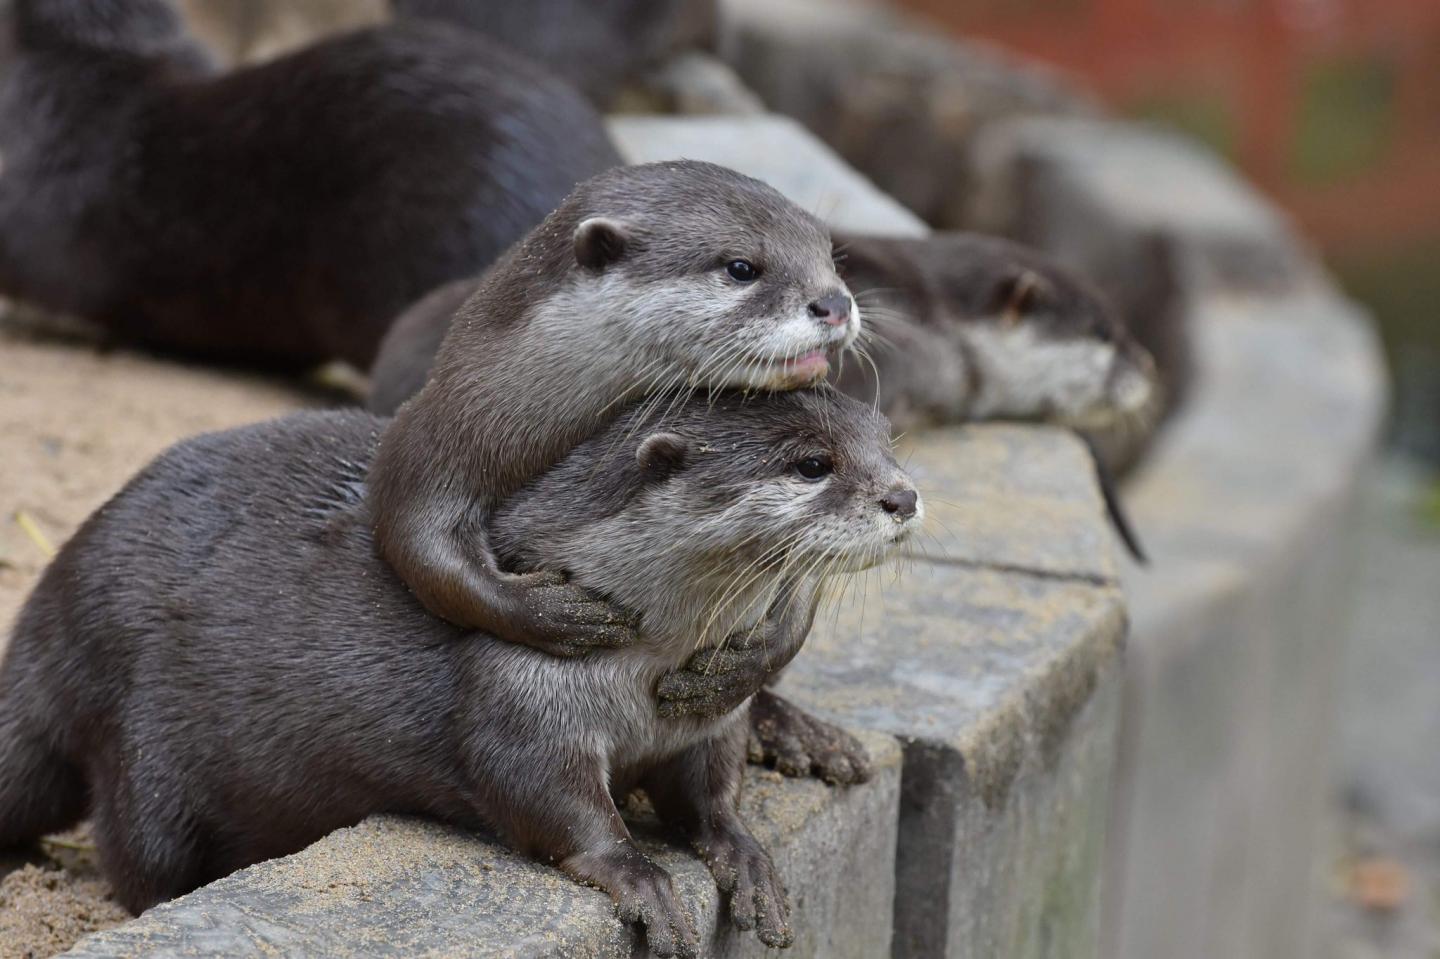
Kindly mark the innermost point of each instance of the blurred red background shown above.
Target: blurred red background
(1331, 106)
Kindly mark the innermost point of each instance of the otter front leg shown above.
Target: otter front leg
(571, 820)
(697, 791)
(432, 531)
(716, 680)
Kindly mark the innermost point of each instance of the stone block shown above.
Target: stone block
(773, 149)
(401, 886)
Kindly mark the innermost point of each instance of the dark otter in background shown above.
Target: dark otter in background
(259, 677)
(646, 280)
(282, 214)
(965, 327)
(595, 44)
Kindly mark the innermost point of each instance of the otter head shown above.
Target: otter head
(698, 275)
(695, 519)
(1048, 346)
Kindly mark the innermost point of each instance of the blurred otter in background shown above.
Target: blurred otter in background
(279, 215)
(595, 44)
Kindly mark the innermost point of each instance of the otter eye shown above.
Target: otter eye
(815, 468)
(742, 271)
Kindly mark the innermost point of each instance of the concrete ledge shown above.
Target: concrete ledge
(398, 886)
(777, 150)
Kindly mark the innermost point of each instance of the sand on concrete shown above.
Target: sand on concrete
(76, 422)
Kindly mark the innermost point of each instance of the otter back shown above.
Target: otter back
(283, 213)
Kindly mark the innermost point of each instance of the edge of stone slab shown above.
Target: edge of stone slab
(424, 888)
(773, 148)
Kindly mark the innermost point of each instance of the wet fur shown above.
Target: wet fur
(254, 675)
(282, 214)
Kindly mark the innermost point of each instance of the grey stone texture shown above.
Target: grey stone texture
(1246, 506)
(394, 886)
(777, 150)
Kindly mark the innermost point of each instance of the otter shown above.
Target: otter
(597, 45)
(256, 676)
(966, 327)
(280, 214)
(647, 279)
(960, 327)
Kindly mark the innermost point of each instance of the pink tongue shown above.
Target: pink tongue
(809, 359)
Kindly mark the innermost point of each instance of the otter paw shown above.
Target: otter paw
(569, 621)
(797, 744)
(744, 872)
(712, 682)
(647, 897)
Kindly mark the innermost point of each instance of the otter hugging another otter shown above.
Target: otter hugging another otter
(237, 692)
(258, 675)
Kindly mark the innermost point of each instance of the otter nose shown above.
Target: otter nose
(832, 309)
(899, 502)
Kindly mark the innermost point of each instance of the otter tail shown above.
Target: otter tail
(40, 790)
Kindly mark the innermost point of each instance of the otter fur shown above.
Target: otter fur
(280, 214)
(223, 669)
(597, 45)
(960, 327)
(646, 280)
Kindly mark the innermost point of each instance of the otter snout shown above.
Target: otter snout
(900, 503)
(832, 309)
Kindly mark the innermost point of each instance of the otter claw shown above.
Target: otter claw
(712, 683)
(798, 744)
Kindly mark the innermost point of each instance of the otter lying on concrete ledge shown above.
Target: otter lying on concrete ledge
(282, 214)
(223, 667)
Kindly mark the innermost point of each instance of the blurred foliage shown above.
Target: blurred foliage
(1400, 285)
(1206, 116)
(1346, 118)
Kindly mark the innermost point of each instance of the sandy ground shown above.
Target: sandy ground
(75, 423)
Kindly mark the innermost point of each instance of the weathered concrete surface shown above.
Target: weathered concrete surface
(1237, 632)
(898, 98)
(406, 887)
(1001, 497)
(1003, 686)
(776, 150)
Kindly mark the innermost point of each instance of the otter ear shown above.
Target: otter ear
(1021, 294)
(661, 455)
(599, 242)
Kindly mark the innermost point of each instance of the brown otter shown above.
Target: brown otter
(281, 214)
(646, 279)
(256, 676)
